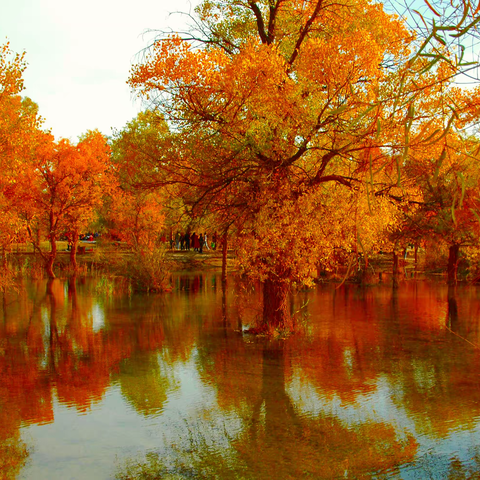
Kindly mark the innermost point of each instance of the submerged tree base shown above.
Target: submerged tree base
(276, 318)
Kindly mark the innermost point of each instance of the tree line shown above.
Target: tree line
(301, 128)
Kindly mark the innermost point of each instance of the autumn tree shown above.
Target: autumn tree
(276, 105)
(137, 210)
(98, 181)
(19, 119)
(48, 188)
(19, 130)
(57, 192)
(448, 176)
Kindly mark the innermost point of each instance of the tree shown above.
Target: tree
(58, 190)
(276, 104)
(449, 179)
(19, 130)
(98, 181)
(138, 210)
(19, 119)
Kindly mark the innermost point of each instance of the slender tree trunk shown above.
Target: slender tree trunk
(395, 269)
(73, 252)
(452, 267)
(452, 318)
(276, 312)
(224, 256)
(51, 258)
(53, 344)
(416, 259)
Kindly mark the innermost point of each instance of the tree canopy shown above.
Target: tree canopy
(285, 110)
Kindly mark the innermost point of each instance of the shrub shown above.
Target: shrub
(148, 270)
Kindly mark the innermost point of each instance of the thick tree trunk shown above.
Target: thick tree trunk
(277, 403)
(452, 267)
(51, 258)
(276, 312)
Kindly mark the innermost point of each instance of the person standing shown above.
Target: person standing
(205, 241)
(195, 241)
(201, 241)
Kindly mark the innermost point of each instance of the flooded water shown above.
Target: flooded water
(375, 384)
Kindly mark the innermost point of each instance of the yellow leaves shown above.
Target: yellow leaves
(291, 238)
(293, 125)
(174, 63)
(340, 60)
(19, 119)
(12, 67)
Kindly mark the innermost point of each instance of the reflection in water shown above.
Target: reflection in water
(377, 383)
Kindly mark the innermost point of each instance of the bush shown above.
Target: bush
(436, 258)
(148, 270)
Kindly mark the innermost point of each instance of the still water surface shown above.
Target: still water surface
(376, 384)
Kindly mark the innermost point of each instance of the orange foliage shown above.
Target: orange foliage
(137, 210)
(292, 123)
(59, 190)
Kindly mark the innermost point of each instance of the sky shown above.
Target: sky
(79, 55)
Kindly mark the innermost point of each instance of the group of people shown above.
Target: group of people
(88, 237)
(84, 237)
(187, 241)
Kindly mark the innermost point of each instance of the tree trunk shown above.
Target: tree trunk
(452, 317)
(224, 256)
(276, 402)
(452, 267)
(73, 252)
(395, 269)
(53, 326)
(51, 258)
(276, 314)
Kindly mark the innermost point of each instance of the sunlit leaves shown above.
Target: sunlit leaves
(300, 125)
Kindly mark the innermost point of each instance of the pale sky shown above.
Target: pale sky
(79, 56)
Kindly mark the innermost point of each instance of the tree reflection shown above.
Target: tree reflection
(53, 343)
(24, 395)
(440, 367)
(145, 383)
(292, 396)
(326, 403)
(276, 440)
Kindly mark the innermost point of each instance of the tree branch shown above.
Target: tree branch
(304, 32)
(260, 22)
